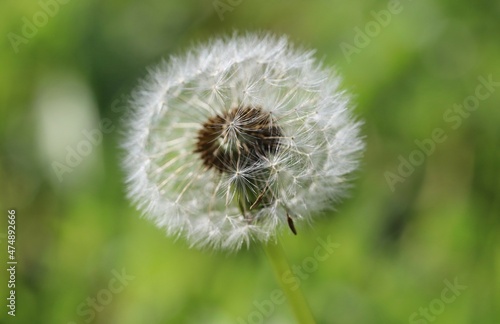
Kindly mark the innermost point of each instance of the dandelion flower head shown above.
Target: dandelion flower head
(239, 138)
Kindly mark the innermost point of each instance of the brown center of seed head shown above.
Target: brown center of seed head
(237, 139)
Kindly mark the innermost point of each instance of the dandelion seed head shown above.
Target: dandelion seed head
(229, 141)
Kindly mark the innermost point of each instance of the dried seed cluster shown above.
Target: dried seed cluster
(238, 139)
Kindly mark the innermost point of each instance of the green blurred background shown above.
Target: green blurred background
(400, 244)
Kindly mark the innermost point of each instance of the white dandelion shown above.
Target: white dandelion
(237, 139)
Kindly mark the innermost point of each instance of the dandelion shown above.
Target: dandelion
(237, 139)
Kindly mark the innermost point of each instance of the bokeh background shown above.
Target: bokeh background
(402, 242)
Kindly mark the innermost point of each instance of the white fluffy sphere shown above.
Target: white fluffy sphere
(237, 138)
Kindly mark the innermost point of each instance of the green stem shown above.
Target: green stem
(296, 299)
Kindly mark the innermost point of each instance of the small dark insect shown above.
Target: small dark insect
(291, 224)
